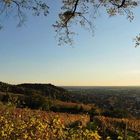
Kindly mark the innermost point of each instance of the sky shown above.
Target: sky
(30, 54)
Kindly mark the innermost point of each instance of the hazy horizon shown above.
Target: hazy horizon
(15, 83)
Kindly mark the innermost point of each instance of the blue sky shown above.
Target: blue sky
(31, 54)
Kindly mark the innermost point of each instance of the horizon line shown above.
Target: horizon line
(70, 85)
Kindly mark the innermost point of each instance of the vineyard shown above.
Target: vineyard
(25, 124)
(122, 127)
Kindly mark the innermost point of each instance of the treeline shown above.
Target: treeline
(36, 101)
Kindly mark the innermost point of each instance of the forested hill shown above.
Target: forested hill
(32, 95)
(41, 96)
(45, 89)
(42, 87)
(28, 89)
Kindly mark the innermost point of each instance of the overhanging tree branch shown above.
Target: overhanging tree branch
(69, 14)
(122, 4)
(72, 11)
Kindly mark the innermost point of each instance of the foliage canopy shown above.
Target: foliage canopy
(72, 11)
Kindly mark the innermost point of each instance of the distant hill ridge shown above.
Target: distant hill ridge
(41, 87)
(29, 88)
